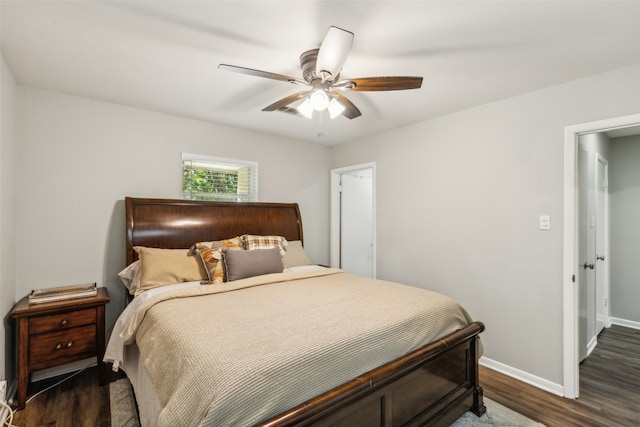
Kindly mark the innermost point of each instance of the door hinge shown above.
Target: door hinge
(573, 278)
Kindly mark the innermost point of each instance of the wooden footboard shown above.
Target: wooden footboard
(432, 386)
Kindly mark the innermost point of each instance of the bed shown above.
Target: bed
(410, 382)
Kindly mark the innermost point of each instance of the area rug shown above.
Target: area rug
(124, 413)
(123, 405)
(496, 415)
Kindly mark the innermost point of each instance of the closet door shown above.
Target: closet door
(356, 223)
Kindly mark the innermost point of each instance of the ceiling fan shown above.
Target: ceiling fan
(321, 72)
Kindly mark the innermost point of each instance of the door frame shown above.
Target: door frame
(571, 375)
(335, 212)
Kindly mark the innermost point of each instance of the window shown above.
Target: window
(211, 178)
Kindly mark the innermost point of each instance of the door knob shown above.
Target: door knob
(591, 266)
(600, 257)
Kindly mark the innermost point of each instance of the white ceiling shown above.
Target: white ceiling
(163, 55)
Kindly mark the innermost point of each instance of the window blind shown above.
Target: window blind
(210, 178)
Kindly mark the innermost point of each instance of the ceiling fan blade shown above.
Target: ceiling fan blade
(350, 110)
(333, 52)
(290, 110)
(285, 101)
(259, 73)
(374, 84)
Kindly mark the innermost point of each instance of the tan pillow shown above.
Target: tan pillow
(251, 242)
(211, 255)
(162, 267)
(295, 255)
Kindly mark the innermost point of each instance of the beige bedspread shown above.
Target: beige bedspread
(241, 352)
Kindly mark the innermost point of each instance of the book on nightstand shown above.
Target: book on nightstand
(61, 293)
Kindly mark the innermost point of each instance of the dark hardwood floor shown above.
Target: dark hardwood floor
(77, 402)
(609, 387)
(609, 393)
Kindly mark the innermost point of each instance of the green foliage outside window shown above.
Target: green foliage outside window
(204, 184)
(219, 179)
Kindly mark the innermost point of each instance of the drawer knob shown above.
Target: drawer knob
(64, 322)
(61, 346)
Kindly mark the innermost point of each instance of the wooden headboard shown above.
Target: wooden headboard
(178, 224)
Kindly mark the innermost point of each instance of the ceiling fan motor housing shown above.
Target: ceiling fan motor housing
(308, 61)
(308, 65)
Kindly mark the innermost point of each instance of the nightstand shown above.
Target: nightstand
(54, 333)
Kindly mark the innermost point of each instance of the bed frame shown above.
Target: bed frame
(433, 385)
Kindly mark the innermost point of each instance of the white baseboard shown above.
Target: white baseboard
(63, 369)
(626, 323)
(523, 376)
(11, 391)
(591, 345)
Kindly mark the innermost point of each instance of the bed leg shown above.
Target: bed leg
(478, 402)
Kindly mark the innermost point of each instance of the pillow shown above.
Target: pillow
(243, 264)
(211, 254)
(162, 267)
(251, 242)
(130, 276)
(295, 255)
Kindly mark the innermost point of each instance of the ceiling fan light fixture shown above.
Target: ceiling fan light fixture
(319, 99)
(306, 109)
(321, 70)
(335, 108)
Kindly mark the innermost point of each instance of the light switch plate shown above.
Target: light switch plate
(545, 222)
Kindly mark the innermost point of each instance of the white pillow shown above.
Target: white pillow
(130, 276)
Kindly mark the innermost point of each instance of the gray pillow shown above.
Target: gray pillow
(243, 264)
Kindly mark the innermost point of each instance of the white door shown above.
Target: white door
(353, 244)
(602, 243)
(583, 238)
(356, 222)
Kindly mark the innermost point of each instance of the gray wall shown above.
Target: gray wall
(8, 142)
(624, 196)
(458, 201)
(79, 158)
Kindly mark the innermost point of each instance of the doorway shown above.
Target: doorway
(571, 259)
(353, 219)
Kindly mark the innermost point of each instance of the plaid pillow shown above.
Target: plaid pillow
(251, 242)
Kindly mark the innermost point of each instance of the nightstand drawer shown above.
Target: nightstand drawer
(54, 322)
(65, 343)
